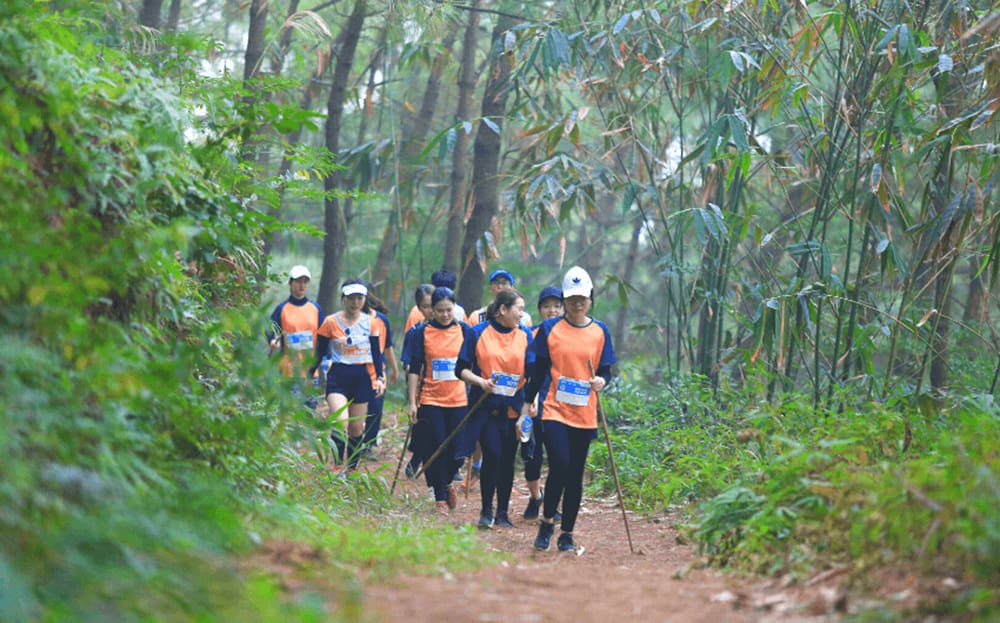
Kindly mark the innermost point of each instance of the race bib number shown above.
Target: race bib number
(355, 354)
(300, 340)
(506, 384)
(444, 369)
(573, 391)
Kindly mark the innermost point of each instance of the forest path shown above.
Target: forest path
(605, 583)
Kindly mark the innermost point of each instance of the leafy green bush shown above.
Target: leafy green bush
(784, 489)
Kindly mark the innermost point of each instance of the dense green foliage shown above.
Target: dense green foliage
(782, 490)
(145, 444)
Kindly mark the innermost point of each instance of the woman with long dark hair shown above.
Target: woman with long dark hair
(493, 361)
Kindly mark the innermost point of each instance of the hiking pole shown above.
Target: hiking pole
(447, 440)
(402, 453)
(611, 460)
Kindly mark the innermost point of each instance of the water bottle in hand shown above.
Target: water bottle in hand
(526, 425)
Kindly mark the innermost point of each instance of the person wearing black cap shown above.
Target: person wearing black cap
(352, 339)
(532, 452)
(295, 321)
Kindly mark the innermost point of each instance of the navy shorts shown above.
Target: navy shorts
(350, 380)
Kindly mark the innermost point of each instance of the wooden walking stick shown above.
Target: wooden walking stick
(611, 460)
(402, 453)
(447, 440)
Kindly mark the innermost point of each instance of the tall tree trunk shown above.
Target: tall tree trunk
(173, 16)
(467, 80)
(976, 311)
(416, 127)
(335, 240)
(251, 70)
(149, 13)
(277, 67)
(486, 167)
(630, 260)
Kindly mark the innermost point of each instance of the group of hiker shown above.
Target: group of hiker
(480, 384)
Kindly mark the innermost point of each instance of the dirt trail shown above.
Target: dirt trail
(606, 583)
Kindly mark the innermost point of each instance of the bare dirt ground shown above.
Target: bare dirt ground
(607, 582)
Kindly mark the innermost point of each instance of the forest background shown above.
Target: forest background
(789, 210)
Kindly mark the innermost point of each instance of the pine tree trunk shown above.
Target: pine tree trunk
(149, 14)
(485, 168)
(466, 85)
(335, 240)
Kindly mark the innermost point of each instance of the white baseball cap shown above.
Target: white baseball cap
(299, 271)
(577, 283)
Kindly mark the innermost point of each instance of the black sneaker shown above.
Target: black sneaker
(485, 520)
(531, 511)
(545, 530)
(502, 520)
(368, 454)
(565, 542)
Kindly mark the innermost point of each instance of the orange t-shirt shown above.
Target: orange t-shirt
(414, 318)
(299, 324)
(568, 397)
(433, 353)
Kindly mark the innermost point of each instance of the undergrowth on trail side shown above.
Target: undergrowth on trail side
(153, 467)
(781, 489)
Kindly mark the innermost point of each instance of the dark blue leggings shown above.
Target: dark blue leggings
(438, 422)
(567, 448)
(373, 422)
(498, 439)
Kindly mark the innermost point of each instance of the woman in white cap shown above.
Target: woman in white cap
(295, 321)
(573, 359)
(351, 338)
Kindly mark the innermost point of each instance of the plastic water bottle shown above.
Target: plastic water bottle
(321, 378)
(526, 425)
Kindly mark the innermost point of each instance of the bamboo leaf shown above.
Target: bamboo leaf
(491, 125)
(737, 60)
(621, 23)
(945, 64)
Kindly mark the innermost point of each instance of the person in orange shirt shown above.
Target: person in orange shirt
(532, 452)
(566, 350)
(421, 310)
(421, 313)
(352, 339)
(296, 320)
(493, 361)
(500, 279)
(433, 352)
